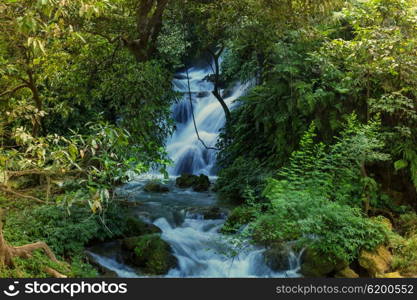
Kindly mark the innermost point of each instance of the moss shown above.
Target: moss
(198, 183)
(405, 255)
(153, 255)
(155, 187)
(376, 262)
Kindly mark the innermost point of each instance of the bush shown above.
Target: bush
(66, 232)
(234, 180)
(238, 217)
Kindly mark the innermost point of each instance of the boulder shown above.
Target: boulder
(316, 265)
(150, 253)
(376, 262)
(155, 187)
(198, 183)
(346, 273)
(135, 227)
(208, 213)
(276, 257)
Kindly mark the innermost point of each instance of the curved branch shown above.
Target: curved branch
(14, 90)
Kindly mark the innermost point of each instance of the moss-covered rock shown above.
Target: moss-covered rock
(376, 262)
(150, 253)
(135, 227)
(208, 213)
(316, 265)
(346, 273)
(276, 257)
(155, 187)
(198, 183)
(201, 183)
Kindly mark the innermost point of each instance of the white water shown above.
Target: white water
(188, 153)
(201, 250)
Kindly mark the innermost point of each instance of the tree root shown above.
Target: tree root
(8, 252)
(10, 191)
(54, 273)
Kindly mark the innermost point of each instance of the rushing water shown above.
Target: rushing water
(201, 250)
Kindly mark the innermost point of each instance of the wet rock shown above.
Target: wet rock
(207, 213)
(198, 183)
(201, 184)
(315, 265)
(135, 227)
(155, 187)
(276, 257)
(346, 273)
(150, 253)
(185, 180)
(376, 262)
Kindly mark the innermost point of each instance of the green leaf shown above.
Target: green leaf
(400, 164)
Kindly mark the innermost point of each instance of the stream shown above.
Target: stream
(198, 245)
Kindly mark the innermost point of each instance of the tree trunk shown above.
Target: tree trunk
(216, 89)
(38, 103)
(149, 16)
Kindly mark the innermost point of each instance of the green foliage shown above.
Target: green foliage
(234, 181)
(316, 200)
(66, 232)
(238, 217)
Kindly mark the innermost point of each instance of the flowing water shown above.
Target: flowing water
(201, 250)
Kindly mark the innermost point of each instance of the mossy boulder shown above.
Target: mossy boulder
(346, 273)
(277, 257)
(150, 253)
(376, 262)
(316, 265)
(198, 183)
(155, 187)
(135, 227)
(208, 213)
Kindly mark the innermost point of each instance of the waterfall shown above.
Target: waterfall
(197, 243)
(187, 152)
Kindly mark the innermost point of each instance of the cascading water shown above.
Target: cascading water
(201, 250)
(189, 154)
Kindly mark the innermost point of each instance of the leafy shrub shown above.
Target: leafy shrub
(238, 217)
(405, 255)
(234, 180)
(66, 233)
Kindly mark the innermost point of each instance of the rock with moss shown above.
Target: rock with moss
(135, 227)
(376, 262)
(277, 257)
(150, 253)
(316, 265)
(346, 273)
(207, 213)
(155, 187)
(198, 183)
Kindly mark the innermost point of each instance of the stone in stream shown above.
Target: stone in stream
(150, 253)
(315, 265)
(276, 257)
(155, 187)
(198, 183)
(207, 213)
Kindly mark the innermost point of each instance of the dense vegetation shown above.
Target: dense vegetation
(322, 149)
